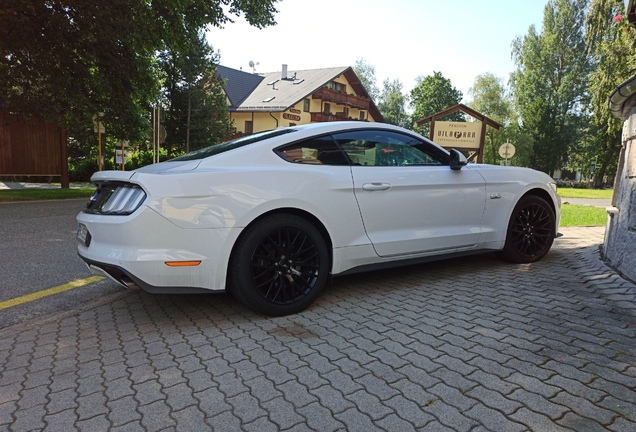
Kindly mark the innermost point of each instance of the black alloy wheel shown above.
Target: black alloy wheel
(279, 265)
(530, 231)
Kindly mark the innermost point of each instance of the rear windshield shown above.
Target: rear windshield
(230, 145)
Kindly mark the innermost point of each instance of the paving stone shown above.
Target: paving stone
(312, 379)
(453, 378)
(409, 411)
(320, 418)
(148, 392)
(212, 402)
(622, 424)
(95, 424)
(493, 419)
(297, 393)
(449, 416)
(10, 392)
(576, 388)
(624, 408)
(377, 387)
(394, 423)
(453, 396)
(355, 420)
(331, 399)
(123, 411)
(29, 419)
(578, 423)
(33, 397)
(493, 399)
(63, 421)
(283, 413)
(584, 408)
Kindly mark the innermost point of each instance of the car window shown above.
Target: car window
(316, 151)
(230, 145)
(386, 148)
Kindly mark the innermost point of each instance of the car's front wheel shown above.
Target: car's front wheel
(530, 231)
(279, 265)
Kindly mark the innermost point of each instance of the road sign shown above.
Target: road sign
(507, 150)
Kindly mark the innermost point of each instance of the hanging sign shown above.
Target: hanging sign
(464, 135)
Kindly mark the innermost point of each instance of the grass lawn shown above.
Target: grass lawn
(13, 195)
(575, 215)
(585, 193)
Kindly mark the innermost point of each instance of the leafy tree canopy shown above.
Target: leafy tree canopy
(432, 94)
(489, 98)
(392, 103)
(550, 82)
(366, 72)
(70, 59)
(611, 47)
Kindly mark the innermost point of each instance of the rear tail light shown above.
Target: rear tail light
(116, 199)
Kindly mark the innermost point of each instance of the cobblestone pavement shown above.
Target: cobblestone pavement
(461, 345)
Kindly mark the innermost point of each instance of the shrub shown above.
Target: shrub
(574, 184)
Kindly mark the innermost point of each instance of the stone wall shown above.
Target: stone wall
(620, 234)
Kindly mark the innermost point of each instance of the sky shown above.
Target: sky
(402, 39)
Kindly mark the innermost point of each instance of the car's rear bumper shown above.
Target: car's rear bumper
(134, 250)
(130, 281)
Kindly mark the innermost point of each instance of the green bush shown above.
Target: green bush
(574, 184)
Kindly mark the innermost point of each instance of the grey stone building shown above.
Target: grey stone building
(619, 247)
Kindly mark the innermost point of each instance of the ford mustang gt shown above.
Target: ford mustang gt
(271, 216)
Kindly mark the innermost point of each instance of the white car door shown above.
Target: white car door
(410, 200)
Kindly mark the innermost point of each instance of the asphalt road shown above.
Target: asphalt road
(37, 252)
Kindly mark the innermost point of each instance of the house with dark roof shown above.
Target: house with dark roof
(259, 102)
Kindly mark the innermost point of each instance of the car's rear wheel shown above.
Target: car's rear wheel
(279, 265)
(530, 231)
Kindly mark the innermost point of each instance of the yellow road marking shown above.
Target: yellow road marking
(47, 292)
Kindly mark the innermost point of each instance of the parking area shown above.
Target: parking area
(469, 344)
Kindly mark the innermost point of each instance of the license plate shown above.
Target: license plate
(83, 235)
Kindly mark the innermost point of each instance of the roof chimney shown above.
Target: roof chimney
(284, 73)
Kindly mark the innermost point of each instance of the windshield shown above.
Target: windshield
(230, 145)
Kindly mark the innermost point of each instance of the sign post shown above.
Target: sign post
(506, 151)
(100, 129)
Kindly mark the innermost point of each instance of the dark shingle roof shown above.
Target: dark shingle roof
(238, 84)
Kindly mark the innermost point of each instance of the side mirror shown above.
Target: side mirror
(457, 160)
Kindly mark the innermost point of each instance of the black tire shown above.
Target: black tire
(279, 265)
(530, 231)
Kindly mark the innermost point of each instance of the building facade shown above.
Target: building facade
(619, 246)
(259, 102)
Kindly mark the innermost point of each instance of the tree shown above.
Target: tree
(392, 103)
(611, 47)
(433, 94)
(366, 72)
(550, 83)
(196, 113)
(67, 60)
(489, 98)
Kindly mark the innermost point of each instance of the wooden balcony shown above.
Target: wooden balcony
(326, 117)
(328, 95)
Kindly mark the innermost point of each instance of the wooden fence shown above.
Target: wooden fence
(32, 148)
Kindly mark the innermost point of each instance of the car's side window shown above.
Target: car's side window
(386, 148)
(317, 151)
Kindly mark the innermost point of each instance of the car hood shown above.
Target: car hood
(496, 173)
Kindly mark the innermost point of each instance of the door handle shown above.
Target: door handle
(376, 186)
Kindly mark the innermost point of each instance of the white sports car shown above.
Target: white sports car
(271, 216)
